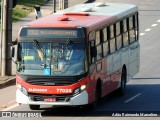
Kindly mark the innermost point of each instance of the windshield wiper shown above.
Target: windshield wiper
(39, 50)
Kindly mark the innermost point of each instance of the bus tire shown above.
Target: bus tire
(98, 92)
(123, 83)
(34, 107)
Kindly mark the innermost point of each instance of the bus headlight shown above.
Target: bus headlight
(22, 89)
(83, 87)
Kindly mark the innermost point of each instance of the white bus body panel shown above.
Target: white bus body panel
(134, 58)
(116, 61)
(80, 99)
(109, 64)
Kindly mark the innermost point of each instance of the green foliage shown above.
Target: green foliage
(24, 7)
(18, 14)
(31, 3)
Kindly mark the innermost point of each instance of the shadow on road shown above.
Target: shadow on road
(138, 98)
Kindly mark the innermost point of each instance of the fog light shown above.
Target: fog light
(76, 91)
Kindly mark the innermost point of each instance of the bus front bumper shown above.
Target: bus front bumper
(80, 99)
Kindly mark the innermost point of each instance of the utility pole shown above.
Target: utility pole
(4, 26)
(9, 37)
(6, 68)
(63, 4)
(54, 6)
(1, 36)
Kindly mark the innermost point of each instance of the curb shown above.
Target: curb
(8, 82)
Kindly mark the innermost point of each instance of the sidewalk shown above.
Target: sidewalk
(45, 10)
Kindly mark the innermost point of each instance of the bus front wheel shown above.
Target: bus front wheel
(34, 107)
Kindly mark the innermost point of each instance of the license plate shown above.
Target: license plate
(50, 99)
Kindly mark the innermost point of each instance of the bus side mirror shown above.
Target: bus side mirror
(14, 42)
(13, 48)
(13, 54)
(12, 51)
(93, 51)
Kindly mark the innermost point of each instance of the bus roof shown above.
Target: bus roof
(85, 15)
(110, 9)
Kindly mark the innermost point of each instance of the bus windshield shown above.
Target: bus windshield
(56, 59)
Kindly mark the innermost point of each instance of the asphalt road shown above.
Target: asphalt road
(143, 91)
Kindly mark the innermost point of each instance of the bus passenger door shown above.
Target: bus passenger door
(92, 70)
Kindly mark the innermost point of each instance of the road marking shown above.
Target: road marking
(154, 25)
(148, 29)
(158, 20)
(11, 107)
(13, 101)
(132, 98)
(4, 106)
(141, 34)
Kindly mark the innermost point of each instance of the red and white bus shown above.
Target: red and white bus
(78, 55)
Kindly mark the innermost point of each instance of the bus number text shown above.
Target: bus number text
(64, 91)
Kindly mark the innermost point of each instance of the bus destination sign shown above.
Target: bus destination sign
(51, 33)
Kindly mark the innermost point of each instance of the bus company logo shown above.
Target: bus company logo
(49, 83)
(37, 90)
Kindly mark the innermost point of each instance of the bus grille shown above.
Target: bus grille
(59, 98)
(49, 82)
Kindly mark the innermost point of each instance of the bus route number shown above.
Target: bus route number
(64, 91)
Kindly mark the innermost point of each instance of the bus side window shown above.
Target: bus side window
(136, 25)
(118, 36)
(132, 29)
(91, 45)
(112, 42)
(118, 31)
(112, 45)
(111, 31)
(125, 33)
(98, 44)
(105, 48)
(105, 42)
(99, 52)
(97, 37)
(105, 34)
(92, 35)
